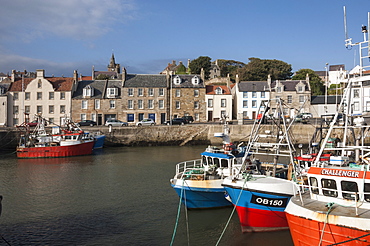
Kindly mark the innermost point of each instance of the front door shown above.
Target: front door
(210, 115)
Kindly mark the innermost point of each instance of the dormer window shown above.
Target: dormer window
(88, 91)
(195, 80)
(177, 80)
(218, 91)
(300, 87)
(279, 89)
(112, 92)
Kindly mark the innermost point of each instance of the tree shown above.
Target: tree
(102, 77)
(196, 65)
(229, 67)
(181, 69)
(316, 83)
(258, 70)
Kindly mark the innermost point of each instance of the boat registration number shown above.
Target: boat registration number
(271, 202)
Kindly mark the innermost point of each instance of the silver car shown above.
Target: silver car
(114, 122)
(146, 122)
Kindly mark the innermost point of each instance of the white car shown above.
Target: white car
(146, 122)
(114, 122)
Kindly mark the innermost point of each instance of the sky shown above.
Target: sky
(145, 35)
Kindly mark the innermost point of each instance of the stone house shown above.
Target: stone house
(219, 102)
(46, 96)
(295, 93)
(187, 96)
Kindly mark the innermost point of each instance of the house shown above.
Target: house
(322, 105)
(219, 102)
(46, 96)
(4, 87)
(248, 96)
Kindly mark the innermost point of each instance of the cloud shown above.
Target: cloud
(84, 19)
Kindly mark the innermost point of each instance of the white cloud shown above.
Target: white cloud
(81, 19)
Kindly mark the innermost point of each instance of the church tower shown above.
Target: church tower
(113, 67)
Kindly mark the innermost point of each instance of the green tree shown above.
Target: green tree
(258, 70)
(229, 67)
(102, 77)
(316, 83)
(196, 65)
(181, 69)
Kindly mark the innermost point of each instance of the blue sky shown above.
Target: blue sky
(146, 35)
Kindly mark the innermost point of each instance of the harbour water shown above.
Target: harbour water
(118, 196)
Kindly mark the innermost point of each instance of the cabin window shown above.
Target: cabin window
(216, 161)
(210, 162)
(224, 163)
(351, 187)
(367, 190)
(329, 187)
(314, 185)
(204, 160)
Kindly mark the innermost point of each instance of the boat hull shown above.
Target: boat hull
(99, 141)
(201, 194)
(255, 215)
(315, 227)
(56, 151)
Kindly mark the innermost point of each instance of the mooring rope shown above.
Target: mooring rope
(350, 240)
(178, 214)
(330, 206)
(186, 214)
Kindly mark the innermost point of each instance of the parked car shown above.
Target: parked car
(301, 119)
(86, 123)
(306, 115)
(114, 122)
(188, 119)
(146, 122)
(32, 123)
(176, 121)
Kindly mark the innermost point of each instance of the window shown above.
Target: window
(150, 92)
(329, 187)
(279, 89)
(245, 104)
(97, 104)
(112, 104)
(178, 93)
(196, 116)
(210, 103)
(130, 92)
(263, 94)
(51, 120)
(39, 84)
(27, 96)
(352, 188)
(195, 80)
(130, 104)
(300, 88)
(245, 94)
(290, 99)
(62, 95)
(196, 93)
(314, 185)
(356, 93)
(51, 95)
(223, 113)
(150, 104)
(223, 103)
(161, 104)
(196, 104)
(140, 92)
(93, 117)
(15, 121)
(254, 103)
(15, 109)
(245, 114)
(140, 104)
(51, 109)
(356, 106)
(130, 117)
(39, 95)
(62, 109)
(161, 92)
(177, 80)
(368, 106)
(27, 109)
(218, 91)
(88, 91)
(112, 92)
(254, 94)
(367, 190)
(15, 96)
(39, 109)
(84, 104)
(301, 99)
(177, 104)
(83, 116)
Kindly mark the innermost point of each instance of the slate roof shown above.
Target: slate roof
(253, 86)
(331, 99)
(145, 80)
(186, 81)
(98, 86)
(290, 85)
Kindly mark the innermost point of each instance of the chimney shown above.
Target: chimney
(93, 73)
(75, 76)
(236, 78)
(40, 73)
(13, 75)
(202, 75)
(124, 74)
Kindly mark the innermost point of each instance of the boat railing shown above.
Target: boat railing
(194, 174)
(353, 199)
(182, 166)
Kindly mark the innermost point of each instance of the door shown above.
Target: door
(253, 115)
(210, 115)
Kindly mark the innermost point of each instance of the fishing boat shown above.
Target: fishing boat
(333, 207)
(61, 142)
(199, 182)
(260, 199)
